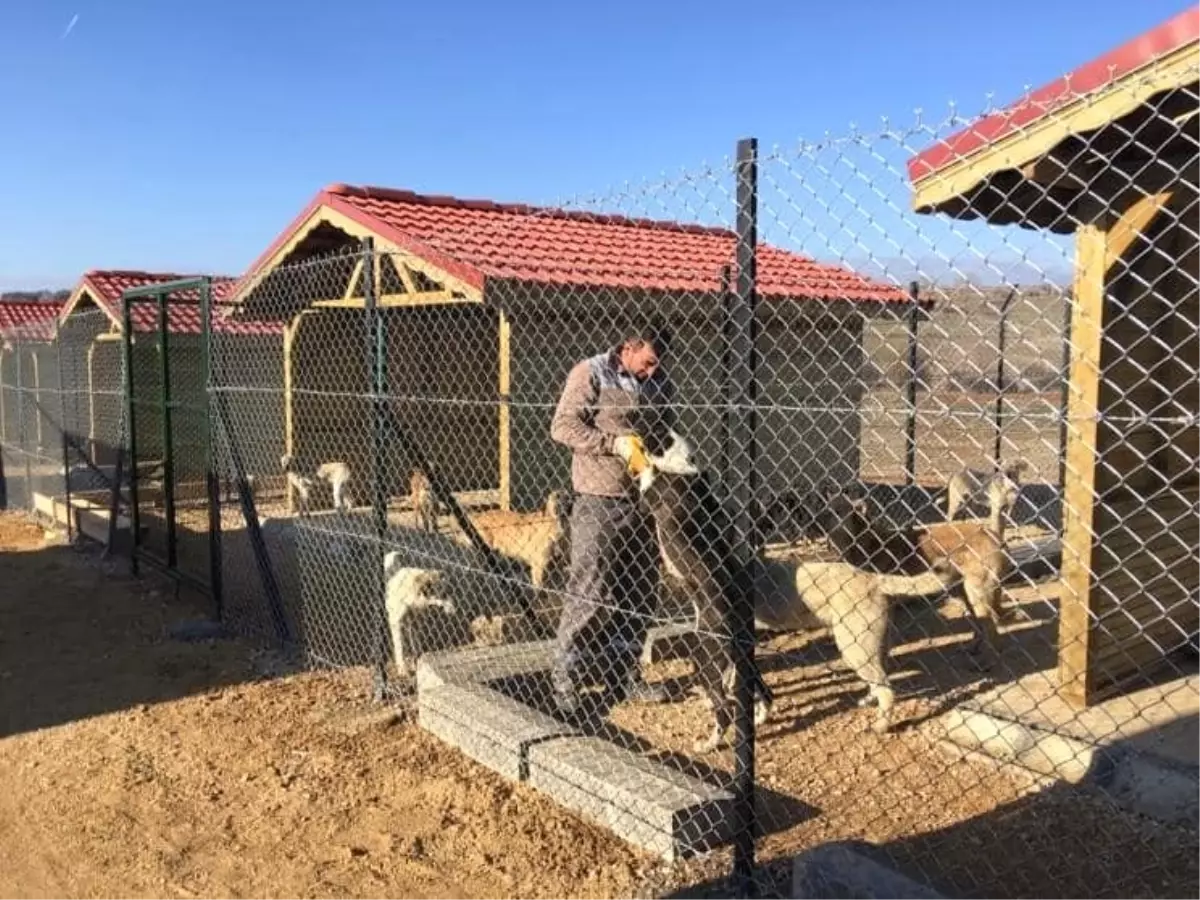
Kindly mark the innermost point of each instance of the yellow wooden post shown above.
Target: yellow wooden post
(1101, 246)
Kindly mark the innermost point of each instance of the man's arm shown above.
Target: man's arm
(571, 425)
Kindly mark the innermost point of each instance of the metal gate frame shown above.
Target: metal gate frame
(160, 295)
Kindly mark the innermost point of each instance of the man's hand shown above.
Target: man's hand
(630, 448)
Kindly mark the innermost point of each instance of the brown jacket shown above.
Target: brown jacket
(600, 402)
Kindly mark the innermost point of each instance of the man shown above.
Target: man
(610, 403)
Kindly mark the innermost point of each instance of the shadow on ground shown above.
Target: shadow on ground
(80, 637)
(1066, 840)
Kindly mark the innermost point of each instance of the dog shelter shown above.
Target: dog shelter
(486, 307)
(92, 351)
(29, 380)
(1110, 154)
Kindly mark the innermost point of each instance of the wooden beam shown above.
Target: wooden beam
(406, 275)
(1101, 246)
(505, 387)
(422, 298)
(355, 274)
(1087, 113)
(1072, 175)
(290, 333)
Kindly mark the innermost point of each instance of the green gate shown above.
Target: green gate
(174, 491)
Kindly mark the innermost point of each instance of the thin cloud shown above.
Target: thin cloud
(70, 26)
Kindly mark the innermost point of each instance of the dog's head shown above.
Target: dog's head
(1003, 491)
(676, 457)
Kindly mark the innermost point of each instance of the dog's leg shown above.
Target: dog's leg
(861, 638)
(983, 597)
(719, 705)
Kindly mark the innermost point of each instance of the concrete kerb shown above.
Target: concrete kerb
(648, 804)
(846, 869)
(1136, 780)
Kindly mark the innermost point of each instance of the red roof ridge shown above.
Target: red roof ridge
(1130, 56)
(400, 195)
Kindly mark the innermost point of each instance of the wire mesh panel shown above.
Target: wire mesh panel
(842, 490)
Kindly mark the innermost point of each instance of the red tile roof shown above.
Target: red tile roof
(1165, 38)
(106, 286)
(476, 240)
(28, 320)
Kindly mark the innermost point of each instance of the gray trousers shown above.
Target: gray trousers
(612, 590)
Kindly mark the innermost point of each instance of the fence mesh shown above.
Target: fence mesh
(529, 472)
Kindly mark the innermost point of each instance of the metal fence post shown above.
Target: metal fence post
(135, 519)
(743, 487)
(1000, 339)
(212, 481)
(910, 395)
(22, 431)
(377, 363)
(62, 426)
(168, 443)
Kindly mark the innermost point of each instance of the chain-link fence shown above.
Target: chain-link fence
(840, 491)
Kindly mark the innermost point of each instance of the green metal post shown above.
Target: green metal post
(212, 481)
(62, 425)
(168, 444)
(135, 523)
(22, 430)
(377, 356)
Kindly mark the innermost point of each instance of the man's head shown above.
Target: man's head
(641, 354)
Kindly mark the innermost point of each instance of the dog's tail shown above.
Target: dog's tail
(930, 582)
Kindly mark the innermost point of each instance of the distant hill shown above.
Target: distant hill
(43, 296)
(958, 341)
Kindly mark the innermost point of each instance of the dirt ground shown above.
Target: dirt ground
(133, 764)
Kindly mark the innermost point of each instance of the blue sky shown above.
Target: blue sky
(184, 136)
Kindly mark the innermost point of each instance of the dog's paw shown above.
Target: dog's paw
(881, 725)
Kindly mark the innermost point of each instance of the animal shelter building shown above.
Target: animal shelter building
(1109, 153)
(486, 306)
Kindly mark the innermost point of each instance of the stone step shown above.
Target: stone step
(646, 803)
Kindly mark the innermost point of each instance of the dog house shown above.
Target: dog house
(91, 341)
(486, 306)
(1110, 154)
(29, 409)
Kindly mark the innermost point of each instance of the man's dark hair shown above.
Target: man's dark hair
(655, 332)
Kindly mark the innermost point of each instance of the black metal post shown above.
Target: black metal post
(212, 481)
(910, 397)
(377, 365)
(66, 439)
(1000, 341)
(135, 523)
(728, 301)
(743, 471)
(22, 431)
(168, 444)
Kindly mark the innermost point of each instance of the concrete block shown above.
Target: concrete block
(480, 665)
(643, 802)
(1044, 752)
(492, 729)
(843, 870)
